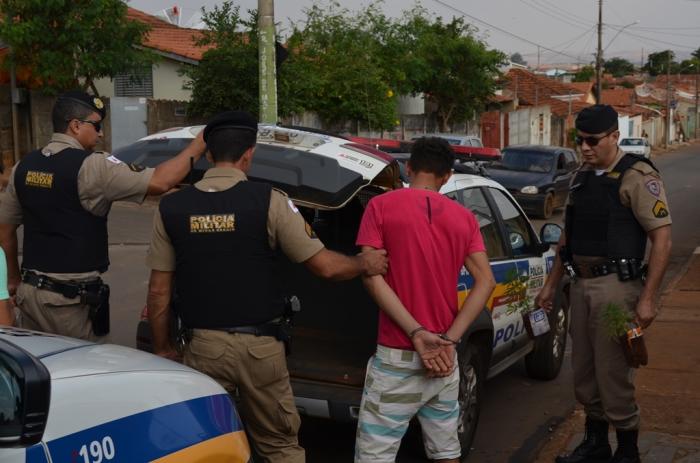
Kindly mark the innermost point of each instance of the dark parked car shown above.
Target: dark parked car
(537, 176)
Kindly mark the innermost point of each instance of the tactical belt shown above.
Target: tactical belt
(627, 269)
(271, 328)
(68, 289)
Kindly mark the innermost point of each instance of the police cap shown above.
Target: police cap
(239, 120)
(595, 119)
(89, 101)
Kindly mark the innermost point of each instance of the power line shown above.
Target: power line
(552, 14)
(566, 13)
(474, 18)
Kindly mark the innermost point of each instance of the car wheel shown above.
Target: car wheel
(547, 206)
(471, 387)
(545, 360)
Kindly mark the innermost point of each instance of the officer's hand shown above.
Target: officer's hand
(374, 262)
(545, 298)
(198, 143)
(646, 312)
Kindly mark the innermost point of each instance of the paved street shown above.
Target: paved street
(518, 412)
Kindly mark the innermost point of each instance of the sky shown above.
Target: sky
(564, 30)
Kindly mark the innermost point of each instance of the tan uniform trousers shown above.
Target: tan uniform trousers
(255, 367)
(603, 381)
(47, 311)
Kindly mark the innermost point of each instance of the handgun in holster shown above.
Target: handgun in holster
(98, 303)
(292, 306)
(567, 261)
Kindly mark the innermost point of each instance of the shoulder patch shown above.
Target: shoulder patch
(659, 210)
(310, 231)
(654, 187)
(112, 159)
(136, 167)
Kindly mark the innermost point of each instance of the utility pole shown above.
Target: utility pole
(599, 56)
(267, 65)
(668, 100)
(538, 57)
(697, 110)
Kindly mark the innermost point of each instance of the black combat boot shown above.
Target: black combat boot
(595, 447)
(627, 451)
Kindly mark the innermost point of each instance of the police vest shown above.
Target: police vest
(597, 223)
(60, 236)
(225, 270)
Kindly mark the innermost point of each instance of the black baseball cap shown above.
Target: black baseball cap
(596, 119)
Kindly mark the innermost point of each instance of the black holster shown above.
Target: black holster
(98, 303)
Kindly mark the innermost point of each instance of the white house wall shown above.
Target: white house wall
(167, 83)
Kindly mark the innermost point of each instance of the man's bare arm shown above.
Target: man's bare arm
(6, 316)
(8, 241)
(171, 172)
(484, 283)
(159, 292)
(335, 266)
(658, 261)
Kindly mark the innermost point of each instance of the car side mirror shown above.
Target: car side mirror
(25, 395)
(517, 241)
(550, 233)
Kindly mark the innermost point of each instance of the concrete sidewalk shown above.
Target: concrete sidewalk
(668, 389)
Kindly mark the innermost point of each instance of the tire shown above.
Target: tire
(547, 206)
(545, 360)
(471, 389)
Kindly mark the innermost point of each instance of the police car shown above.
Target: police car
(67, 400)
(329, 181)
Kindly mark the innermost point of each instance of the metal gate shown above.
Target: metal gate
(128, 118)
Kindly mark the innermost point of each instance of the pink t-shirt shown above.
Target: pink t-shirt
(427, 236)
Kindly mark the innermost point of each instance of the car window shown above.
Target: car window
(631, 142)
(474, 200)
(477, 142)
(571, 161)
(519, 231)
(525, 161)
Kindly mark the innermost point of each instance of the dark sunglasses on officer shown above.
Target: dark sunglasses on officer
(96, 124)
(593, 140)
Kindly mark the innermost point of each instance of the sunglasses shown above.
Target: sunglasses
(592, 141)
(96, 124)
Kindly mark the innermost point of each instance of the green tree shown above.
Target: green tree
(657, 63)
(585, 74)
(689, 66)
(347, 66)
(456, 70)
(227, 74)
(696, 54)
(618, 67)
(517, 58)
(71, 43)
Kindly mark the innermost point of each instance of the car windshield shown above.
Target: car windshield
(632, 142)
(525, 161)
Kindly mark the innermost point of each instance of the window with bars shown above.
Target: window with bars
(137, 83)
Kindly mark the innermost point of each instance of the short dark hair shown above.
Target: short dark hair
(65, 110)
(433, 155)
(230, 144)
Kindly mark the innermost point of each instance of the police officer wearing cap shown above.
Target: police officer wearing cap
(215, 242)
(616, 202)
(62, 195)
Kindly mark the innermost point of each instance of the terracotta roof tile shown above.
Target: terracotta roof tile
(618, 96)
(533, 89)
(168, 38)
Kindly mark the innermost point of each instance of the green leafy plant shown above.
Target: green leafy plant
(519, 301)
(616, 320)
